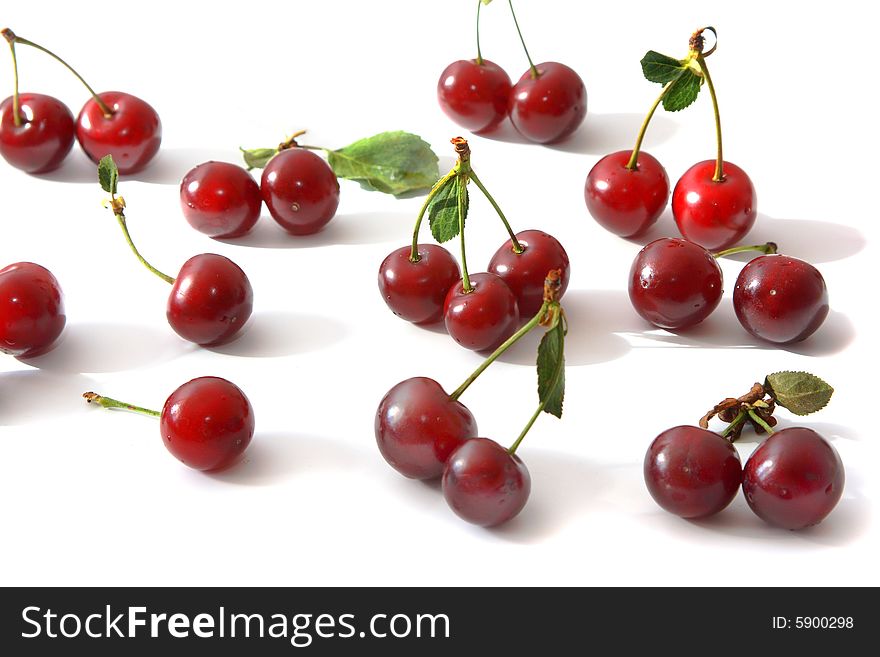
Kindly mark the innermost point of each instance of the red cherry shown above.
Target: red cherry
(525, 272)
(794, 479)
(780, 299)
(484, 484)
(692, 472)
(220, 199)
(626, 201)
(31, 310)
(484, 317)
(300, 190)
(550, 107)
(210, 301)
(474, 95)
(418, 426)
(207, 423)
(416, 291)
(131, 134)
(715, 215)
(674, 283)
(45, 135)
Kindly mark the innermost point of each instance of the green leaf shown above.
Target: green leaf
(684, 83)
(390, 162)
(800, 392)
(108, 174)
(551, 370)
(660, 68)
(445, 208)
(683, 91)
(257, 158)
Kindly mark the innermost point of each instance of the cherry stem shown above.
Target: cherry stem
(512, 449)
(479, 53)
(465, 279)
(414, 253)
(17, 39)
(532, 70)
(517, 247)
(507, 344)
(117, 205)
(634, 158)
(757, 419)
(107, 402)
(769, 248)
(16, 105)
(719, 162)
(738, 420)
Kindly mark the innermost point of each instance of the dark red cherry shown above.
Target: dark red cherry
(31, 310)
(525, 272)
(692, 472)
(626, 201)
(550, 107)
(210, 301)
(484, 317)
(220, 199)
(300, 190)
(131, 134)
(418, 426)
(780, 299)
(794, 479)
(207, 423)
(474, 95)
(44, 137)
(674, 283)
(715, 215)
(416, 291)
(484, 484)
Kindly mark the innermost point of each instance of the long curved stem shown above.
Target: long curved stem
(122, 224)
(512, 449)
(16, 103)
(414, 253)
(533, 71)
(634, 158)
(719, 162)
(479, 53)
(107, 402)
(766, 249)
(517, 247)
(465, 278)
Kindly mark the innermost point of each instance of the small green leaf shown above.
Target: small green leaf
(108, 174)
(683, 91)
(390, 162)
(660, 68)
(445, 208)
(257, 158)
(684, 83)
(551, 370)
(800, 392)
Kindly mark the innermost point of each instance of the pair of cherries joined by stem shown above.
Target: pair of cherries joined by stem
(714, 202)
(422, 283)
(32, 315)
(547, 104)
(37, 130)
(794, 479)
(425, 433)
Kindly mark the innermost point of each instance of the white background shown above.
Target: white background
(92, 497)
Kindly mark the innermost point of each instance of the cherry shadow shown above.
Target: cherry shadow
(601, 134)
(27, 395)
(76, 168)
(276, 334)
(504, 132)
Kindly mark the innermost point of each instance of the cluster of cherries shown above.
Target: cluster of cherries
(547, 104)
(37, 130)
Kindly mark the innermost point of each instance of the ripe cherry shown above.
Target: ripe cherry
(485, 484)
(484, 317)
(548, 107)
(31, 310)
(416, 291)
(525, 272)
(474, 95)
(692, 472)
(418, 426)
(780, 299)
(794, 479)
(220, 199)
(43, 137)
(674, 284)
(714, 214)
(300, 190)
(626, 201)
(131, 133)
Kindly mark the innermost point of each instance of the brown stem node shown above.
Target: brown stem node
(461, 148)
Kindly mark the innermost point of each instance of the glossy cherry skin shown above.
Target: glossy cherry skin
(300, 190)
(674, 284)
(525, 272)
(794, 479)
(474, 95)
(415, 291)
(626, 201)
(31, 310)
(484, 317)
(550, 107)
(692, 472)
(210, 301)
(716, 215)
(132, 134)
(220, 199)
(484, 484)
(207, 423)
(43, 139)
(780, 299)
(418, 426)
